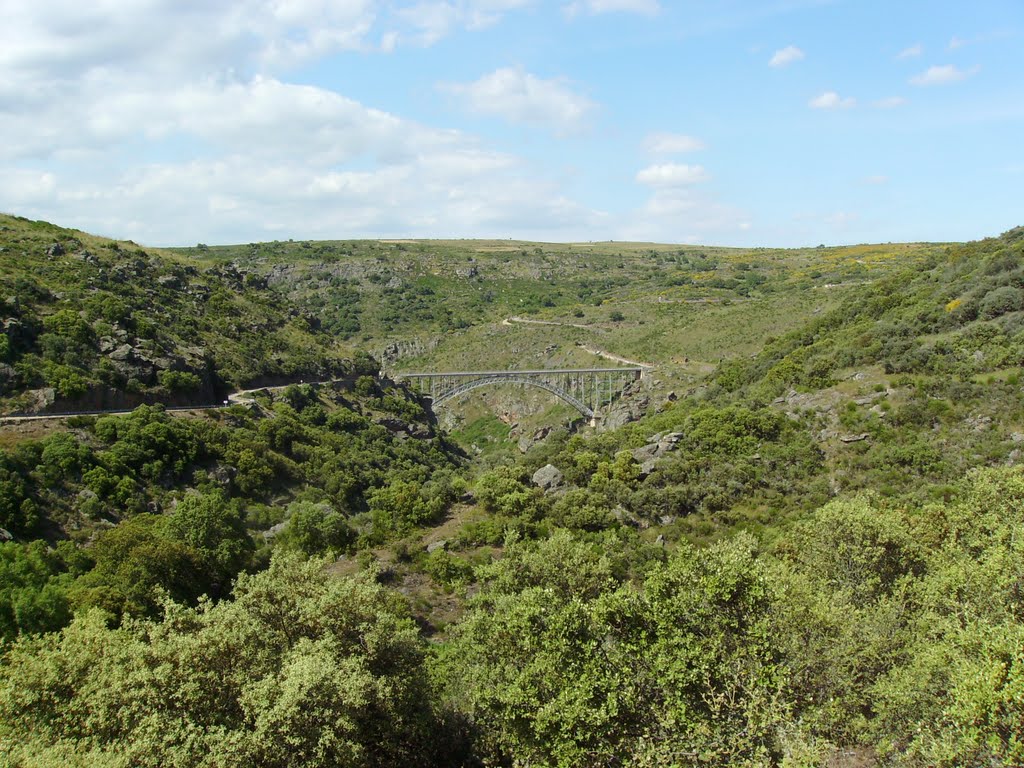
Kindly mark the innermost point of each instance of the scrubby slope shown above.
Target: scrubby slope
(90, 322)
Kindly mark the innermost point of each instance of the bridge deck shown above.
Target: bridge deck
(541, 372)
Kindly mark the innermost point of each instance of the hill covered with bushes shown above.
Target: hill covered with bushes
(800, 548)
(95, 323)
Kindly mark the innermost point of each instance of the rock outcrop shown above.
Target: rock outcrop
(647, 455)
(548, 478)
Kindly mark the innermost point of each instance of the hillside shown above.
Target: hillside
(432, 303)
(901, 388)
(793, 545)
(484, 305)
(94, 323)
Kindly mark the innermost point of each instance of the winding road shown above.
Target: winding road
(235, 398)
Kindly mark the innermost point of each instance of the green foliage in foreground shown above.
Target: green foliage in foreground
(900, 630)
(297, 670)
(562, 661)
(896, 630)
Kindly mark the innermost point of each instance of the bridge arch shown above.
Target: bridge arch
(587, 390)
(469, 386)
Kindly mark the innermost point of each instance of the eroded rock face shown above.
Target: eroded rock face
(528, 441)
(7, 377)
(143, 364)
(548, 478)
(396, 350)
(647, 455)
(402, 429)
(630, 407)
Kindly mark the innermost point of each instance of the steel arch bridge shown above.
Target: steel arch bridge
(585, 389)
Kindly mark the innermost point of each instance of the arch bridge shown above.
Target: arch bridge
(587, 390)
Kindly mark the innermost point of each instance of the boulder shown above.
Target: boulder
(274, 530)
(41, 399)
(404, 429)
(645, 452)
(169, 281)
(133, 362)
(548, 477)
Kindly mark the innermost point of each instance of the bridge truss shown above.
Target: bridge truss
(588, 390)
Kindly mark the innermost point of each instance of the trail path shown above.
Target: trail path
(584, 347)
(616, 358)
(527, 321)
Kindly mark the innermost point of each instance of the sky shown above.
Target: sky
(720, 122)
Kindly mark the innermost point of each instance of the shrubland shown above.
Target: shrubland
(867, 624)
(807, 553)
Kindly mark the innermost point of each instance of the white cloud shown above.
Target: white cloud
(786, 56)
(672, 144)
(65, 39)
(461, 192)
(942, 75)
(876, 180)
(595, 7)
(127, 122)
(832, 100)
(890, 102)
(432, 20)
(262, 117)
(68, 38)
(911, 52)
(671, 175)
(521, 97)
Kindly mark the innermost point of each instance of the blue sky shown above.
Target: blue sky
(775, 122)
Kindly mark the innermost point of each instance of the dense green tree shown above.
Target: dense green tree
(300, 669)
(137, 563)
(562, 661)
(33, 589)
(315, 530)
(958, 698)
(214, 528)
